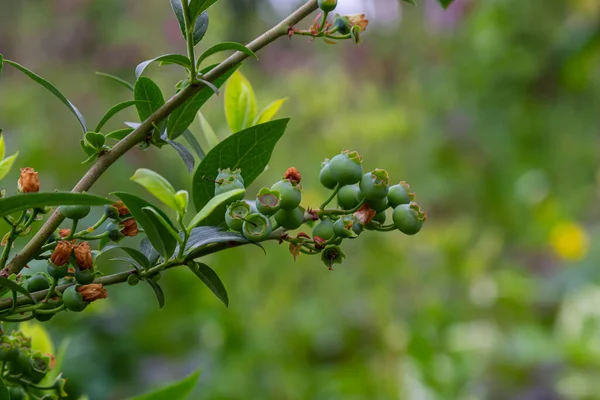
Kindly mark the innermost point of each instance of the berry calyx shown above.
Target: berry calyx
(374, 184)
(349, 197)
(325, 176)
(84, 277)
(324, 229)
(235, 215)
(346, 168)
(256, 227)
(409, 218)
(290, 219)
(400, 194)
(289, 194)
(343, 227)
(332, 254)
(267, 201)
(75, 212)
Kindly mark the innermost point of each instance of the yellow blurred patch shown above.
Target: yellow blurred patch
(569, 240)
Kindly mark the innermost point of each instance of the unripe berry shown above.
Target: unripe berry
(290, 219)
(349, 196)
(57, 272)
(400, 194)
(343, 227)
(379, 205)
(268, 201)
(289, 194)
(324, 229)
(409, 218)
(235, 215)
(228, 180)
(84, 277)
(342, 24)
(114, 232)
(73, 300)
(75, 212)
(133, 280)
(378, 220)
(346, 168)
(374, 185)
(327, 5)
(357, 227)
(257, 227)
(36, 283)
(111, 212)
(325, 176)
(17, 393)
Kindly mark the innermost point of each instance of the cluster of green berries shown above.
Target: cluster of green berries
(25, 367)
(276, 206)
(344, 174)
(363, 202)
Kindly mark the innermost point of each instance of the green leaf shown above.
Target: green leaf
(184, 115)
(193, 142)
(6, 165)
(200, 27)
(205, 235)
(11, 204)
(119, 134)
(4, 393)
(185, 155)
(154, 230)
(15, 287)
(209, 134)
(114, 110)
(178, 59)
(197, 7)
(179, 390)
(212, 281)
(136, 255)
(164, 221)
(116, 79)
(240, 103)
(223, 47)
(268, 113)
(138, 267)
(178, 10)
(52, 89)
(59, 358)
(168, 231)
(249, 150)
(149, 251)
(157, 185)
(160, 296)
(212, 205)
(149, 97)
(445, 3)
(96, 140)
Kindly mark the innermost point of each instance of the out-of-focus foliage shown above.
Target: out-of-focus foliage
(489, 109)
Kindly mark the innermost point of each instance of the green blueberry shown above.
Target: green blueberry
(343, 227)
(379, 205)
(400, 194)
(349, 197)
(289, 194)
(36, 283)
(114, 231)
(374, 184)
(256, 227)
(342, 24)
(228, 180)
(324, 229)
(17, 393)
(111, 212)
(75, 212)
(346, 168)
(133, 280)
(22, 364)
(408, 218)
(57, 272)
(378, 220)
(84, 277)
(73, 300)
(267, 201)
(8, 352)
(290, 219)
(325, 176)
(235, 215)
(327, 5)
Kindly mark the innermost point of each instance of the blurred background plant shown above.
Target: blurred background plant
(489, 111)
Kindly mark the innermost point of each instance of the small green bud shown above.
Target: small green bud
(111, 212)
(343, 227)
(133, 280)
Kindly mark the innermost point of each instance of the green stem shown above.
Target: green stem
(189, 38)
(51, 311)
(30, 219)
(333, 194)
(92, 237)
(12, 236)
(27, 318)
(93, 228)
(140, 133)
(385, 228)
(323, 21)
(73, 229)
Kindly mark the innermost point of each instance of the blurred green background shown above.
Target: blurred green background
(488, 109)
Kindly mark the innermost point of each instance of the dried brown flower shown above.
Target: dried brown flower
(92, 292)
(130, 227)
(62, 253)
(29, 181)
(121, 208)
(83, 256)
(63, 233)
(293, 175)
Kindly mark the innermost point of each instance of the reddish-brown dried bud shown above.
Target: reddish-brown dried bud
(319, 242)
(303, 235)
(63, 233)
(83, 256)
(130, 227)
(121, 208)
(29, 181)
(365, 214)
(293, 175)
(62, 253)
(92, 292)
